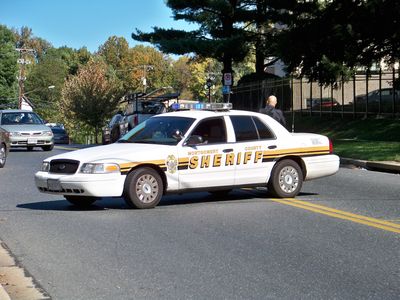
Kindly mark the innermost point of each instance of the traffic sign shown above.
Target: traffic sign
(227, 78)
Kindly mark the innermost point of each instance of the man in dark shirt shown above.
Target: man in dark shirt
(273, 112)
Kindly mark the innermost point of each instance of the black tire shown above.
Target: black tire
(3, 155)
(30, 148)
(48, 147)
(81, 201)
(286, 179)
(220, 193)
(143, 188)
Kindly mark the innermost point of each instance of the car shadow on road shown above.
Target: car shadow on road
(64, 205)
(236, 196)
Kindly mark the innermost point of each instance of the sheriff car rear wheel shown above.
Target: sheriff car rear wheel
(81, 201)
(143, 188)
(286, 179)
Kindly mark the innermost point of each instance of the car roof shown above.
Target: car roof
(200, 114)
(16, 111)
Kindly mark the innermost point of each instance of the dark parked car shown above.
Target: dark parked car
(376, 98)
(112, 131)
(60, 135)
(4, 146)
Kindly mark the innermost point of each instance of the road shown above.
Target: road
(194, 246)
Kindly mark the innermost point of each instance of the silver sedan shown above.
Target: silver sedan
(26, 129)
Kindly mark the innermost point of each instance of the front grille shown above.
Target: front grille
(64, 166)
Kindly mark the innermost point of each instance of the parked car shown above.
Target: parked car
(26, 129)
(376, 98)
(60, 135)
(316, 103)
(4, 146)
(112, 131)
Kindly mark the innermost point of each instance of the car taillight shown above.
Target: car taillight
(330, 147)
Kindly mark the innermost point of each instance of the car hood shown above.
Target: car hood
(26, 128)
(119, 153)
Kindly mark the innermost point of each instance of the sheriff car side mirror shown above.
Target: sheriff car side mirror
(194, 140)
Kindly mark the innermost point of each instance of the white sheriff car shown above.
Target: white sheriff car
(213, 149)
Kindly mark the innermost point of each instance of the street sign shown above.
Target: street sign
(227, 78)
(226, 89)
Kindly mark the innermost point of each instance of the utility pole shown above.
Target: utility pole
(146, 68)
(22, 61)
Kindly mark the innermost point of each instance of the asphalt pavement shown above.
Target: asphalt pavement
(389, 167)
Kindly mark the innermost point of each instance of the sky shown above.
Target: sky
(87, 23)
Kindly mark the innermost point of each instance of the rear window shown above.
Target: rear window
(57, 130)
(249, 128)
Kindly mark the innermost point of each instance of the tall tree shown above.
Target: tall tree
(218, 35)
(8, 67)
(327, 39)
(25, 39)
(51, 71)
(91, 96)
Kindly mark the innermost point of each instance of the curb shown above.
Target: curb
(380, 166)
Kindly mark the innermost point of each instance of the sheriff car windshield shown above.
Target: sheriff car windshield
(159, 130)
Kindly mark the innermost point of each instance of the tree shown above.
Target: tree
(52, 70)
(217, 37)
(8, 66)
(25, 39)
(328, 39)
(91, 96)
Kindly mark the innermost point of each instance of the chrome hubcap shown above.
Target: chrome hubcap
(288, 179)
(147, 188)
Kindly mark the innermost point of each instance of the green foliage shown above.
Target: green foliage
(8, 67)
(217, 37)
(52, 70)
(327, 40)
(90, 97)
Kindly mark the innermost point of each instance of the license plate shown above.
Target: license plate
(32, 141)
(54, 185)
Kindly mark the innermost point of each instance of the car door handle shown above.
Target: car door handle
(272, 147)
(227, 150)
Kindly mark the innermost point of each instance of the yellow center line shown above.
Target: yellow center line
(339, 214)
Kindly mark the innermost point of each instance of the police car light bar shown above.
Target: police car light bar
(202, 106)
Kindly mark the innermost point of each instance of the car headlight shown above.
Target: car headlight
(15, 133)
(47, 133)
(99, 168)
(45, 166)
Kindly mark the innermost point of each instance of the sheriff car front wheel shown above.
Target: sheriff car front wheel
(143, 188)
(286, 179)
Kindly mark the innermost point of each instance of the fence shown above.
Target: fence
(366, 94)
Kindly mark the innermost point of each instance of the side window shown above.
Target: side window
(263, 130)
(213, 131)
(244, 127)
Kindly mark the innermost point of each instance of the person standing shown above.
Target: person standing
(274, 112)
